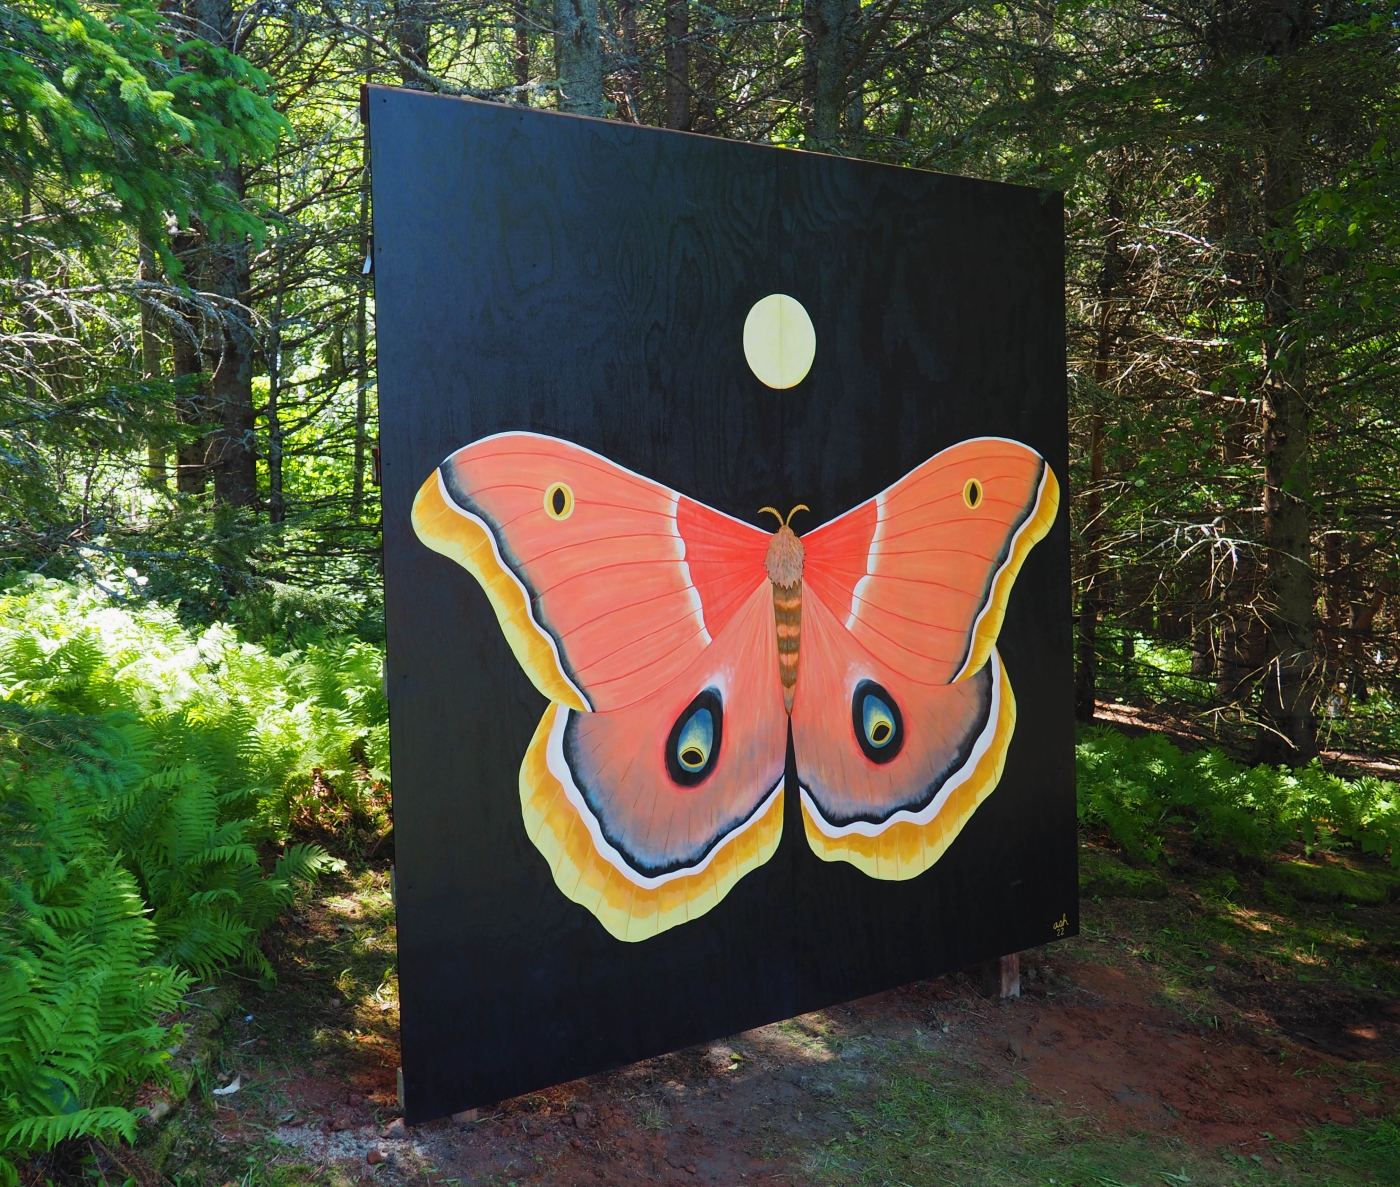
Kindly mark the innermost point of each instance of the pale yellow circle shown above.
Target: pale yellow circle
(779, 341)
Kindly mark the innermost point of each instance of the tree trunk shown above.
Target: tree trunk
(187, 355)
(225, 341)
(630, 72)
(578, 56)
(1041, 67)
(233, 456)
(522, 53)
(25, 260)
(1239, 636)
(1202, 651)
(678, 65)
(411, 37)
(1336, 600)
(1111, 271)
(832, 34)
(357, 496)
(276, 501)
(1289, 732)
(1086, 671)
(147, 270)
(1363, 616)
(357, 493)
(26, 274)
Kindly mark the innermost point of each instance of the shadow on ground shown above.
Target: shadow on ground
(1174, 1038)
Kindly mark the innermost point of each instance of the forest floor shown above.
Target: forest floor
(1221, 1033)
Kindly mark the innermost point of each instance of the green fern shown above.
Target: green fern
(80, 995)
(1133, 788)
(141, 767)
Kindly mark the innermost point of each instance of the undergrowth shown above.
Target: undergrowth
(163, 792)
(152, 782)
(1135, 789)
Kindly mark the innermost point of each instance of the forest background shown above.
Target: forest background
(187, 398)
(191, 626)
(186, 310)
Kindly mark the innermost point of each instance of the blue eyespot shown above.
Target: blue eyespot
(696, 740)
(693, 745)
(877, 721)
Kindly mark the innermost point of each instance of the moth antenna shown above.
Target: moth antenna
(794, 511)
(774, 512)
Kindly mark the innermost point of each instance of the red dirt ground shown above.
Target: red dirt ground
(1106, 1046)
(1090, 1036)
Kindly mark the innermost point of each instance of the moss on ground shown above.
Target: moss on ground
(1105, 876)
(1330, 882)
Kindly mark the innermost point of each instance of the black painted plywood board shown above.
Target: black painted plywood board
(589, 280)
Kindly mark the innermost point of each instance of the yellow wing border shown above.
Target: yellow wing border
(987, 626)
(628, 909)
(467, 539)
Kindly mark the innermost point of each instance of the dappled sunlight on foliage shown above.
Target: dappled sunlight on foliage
(255, 723)
(1136, 788)
(150, 778)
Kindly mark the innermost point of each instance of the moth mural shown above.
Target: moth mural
(678, 646)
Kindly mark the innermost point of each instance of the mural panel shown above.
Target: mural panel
(721, 517)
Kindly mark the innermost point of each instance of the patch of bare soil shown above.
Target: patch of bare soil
(1091, 1036)
(1108, 1048)
(1346, 1024)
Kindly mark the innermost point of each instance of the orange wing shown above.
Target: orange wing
(891, 804)
(903, 712)
(646, 619)
(920, 574)
(607, 585)
(631, 830)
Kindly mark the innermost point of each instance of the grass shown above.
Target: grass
(934, 1122)
(1214, 933)
(1236, 923)
(937, 1124)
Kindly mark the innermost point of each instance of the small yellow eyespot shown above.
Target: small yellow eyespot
(972, 492)
(559, 501)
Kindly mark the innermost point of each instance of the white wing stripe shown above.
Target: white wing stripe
(858, 594)
(697, 608)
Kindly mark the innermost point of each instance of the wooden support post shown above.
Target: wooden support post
(1001, 977)
(1010, 970)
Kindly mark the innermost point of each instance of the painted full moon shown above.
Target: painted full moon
(779, 341)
